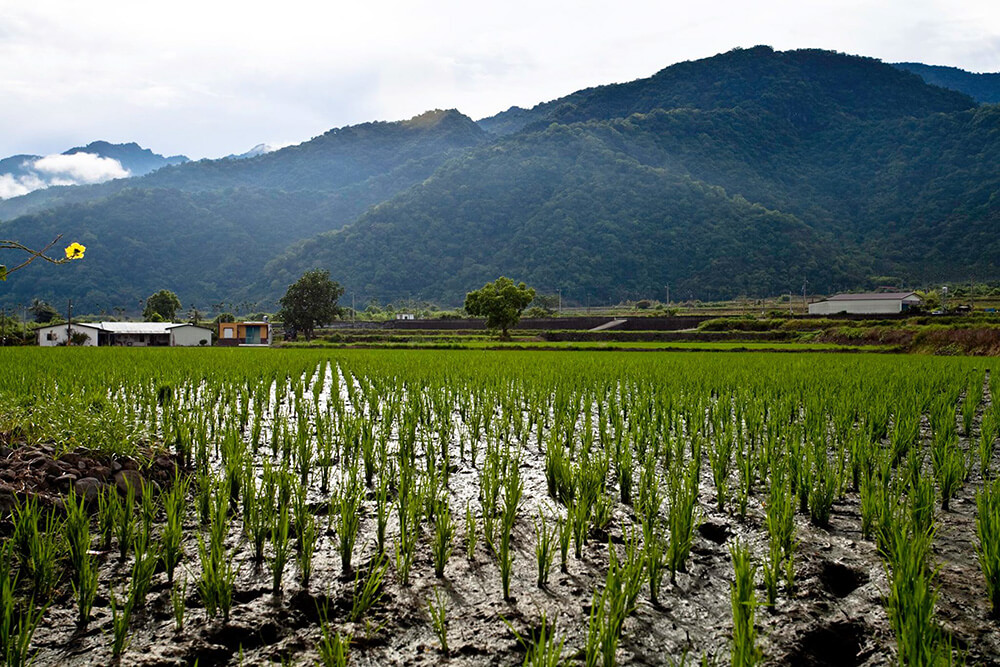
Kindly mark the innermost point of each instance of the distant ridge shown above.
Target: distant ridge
(981, 87)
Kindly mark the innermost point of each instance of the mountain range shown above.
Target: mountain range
(747, 173)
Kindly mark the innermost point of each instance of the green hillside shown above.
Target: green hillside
(746, 173)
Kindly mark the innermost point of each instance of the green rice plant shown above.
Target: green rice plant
(382, 508)
(744, 605)
(471, 533)
(745, 468)
(178, 604)
(949, 469)
(912, 596)
(543, 548)
(656, 564)
(624, 470)
(988, 534)
(305, 528)
(218, 574)
(438, 611)
(564, 526)
(444, 533)
(334, 647)
(543, 647)
(368, 590)
(602, 642)
(505, 561)
(143, 567)
(973, 397)
(988, 431)
(921, 502)
(258, 510)
(682, 490)
(348, 519)
(83, 568)
(205, 485)
(108, 502)
(824, 487)
(43, 555)
(16, 630)
(720, 456)
(772, 572)
(279, 548)
(121, 617)
(406, 542)
(174, 504)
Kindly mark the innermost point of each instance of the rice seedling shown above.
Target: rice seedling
(988, 546)
(543, 646)
(178, 604)
(83, 567)
(544, 535)
(564, 526)
(681, 518)
(720, 456)
(348, 517)
(334, 648)
(744, 605)
(368, 590)
(444, 532)
(438, 611)
(505, 561)
(121, 617)
(174, 504)
(279, 548)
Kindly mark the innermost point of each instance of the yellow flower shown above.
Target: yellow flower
(75, 251)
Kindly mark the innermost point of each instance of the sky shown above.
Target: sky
(214, 77)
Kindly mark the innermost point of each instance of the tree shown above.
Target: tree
(310, 301)
(164, 303)
(501, 302)
(43, 311)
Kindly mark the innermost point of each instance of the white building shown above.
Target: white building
(879, 303)
(129, 334)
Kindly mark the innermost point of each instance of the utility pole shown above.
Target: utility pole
(560, 300)
(668, 295)
(69, 322)
(805, 304)
(354, 312)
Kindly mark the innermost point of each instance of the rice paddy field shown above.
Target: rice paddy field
(425, 507)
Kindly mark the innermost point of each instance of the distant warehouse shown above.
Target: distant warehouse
(878, 303)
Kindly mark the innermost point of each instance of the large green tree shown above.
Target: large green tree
(310, 301)
(501, 302)
(164, 304)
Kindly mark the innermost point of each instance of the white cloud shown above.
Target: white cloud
(80, 168)
(209, 78)
(75, 169)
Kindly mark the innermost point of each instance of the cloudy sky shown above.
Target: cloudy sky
(211, 77)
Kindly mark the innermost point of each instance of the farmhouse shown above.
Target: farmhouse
(130, 334)
(244, 333)
(872, 304)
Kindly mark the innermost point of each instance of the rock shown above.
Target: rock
(129, 478)
(81, 466)
(115, 466)
(129, 464)
(65, 481)
(70, 459)
(37, 461)
(100, 472)
(88, 487)
(5, 452)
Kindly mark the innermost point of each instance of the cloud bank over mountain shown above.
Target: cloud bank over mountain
(35, 173)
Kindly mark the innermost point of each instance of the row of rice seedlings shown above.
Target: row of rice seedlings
(218, 572)
(82, 563)
(17, 622)
(744, 650)
(988, 546)
(615, 603)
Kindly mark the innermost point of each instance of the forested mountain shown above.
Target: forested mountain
(808, 88)
(206, 229)
(745, 173)
(981, 87)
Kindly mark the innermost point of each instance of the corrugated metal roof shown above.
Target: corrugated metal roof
(873, 296)
(142, 327)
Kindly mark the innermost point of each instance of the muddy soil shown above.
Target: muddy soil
(835, 616)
